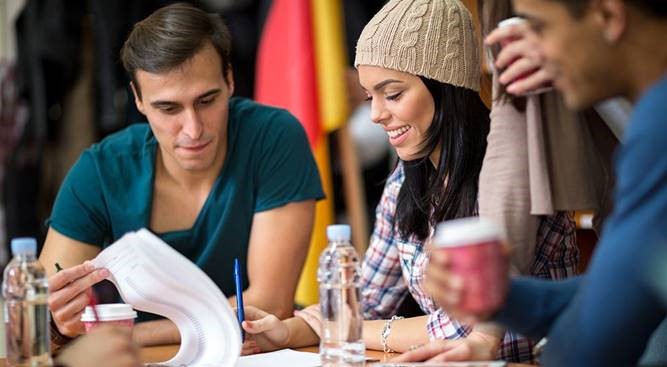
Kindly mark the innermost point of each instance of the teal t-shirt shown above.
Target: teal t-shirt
(109, 190)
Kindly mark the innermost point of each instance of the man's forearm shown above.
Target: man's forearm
(158, 332)
(281, 309)
(165, 332)
(532, 305)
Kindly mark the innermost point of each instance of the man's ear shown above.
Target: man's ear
(612, 15)
(137, 98)
(229, 79)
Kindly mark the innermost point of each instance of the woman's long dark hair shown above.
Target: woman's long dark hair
(433, 194)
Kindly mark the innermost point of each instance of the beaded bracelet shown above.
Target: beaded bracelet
(386, 330)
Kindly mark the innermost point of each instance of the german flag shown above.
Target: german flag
(301, 67)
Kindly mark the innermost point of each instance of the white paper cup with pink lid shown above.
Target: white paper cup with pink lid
(116, 314)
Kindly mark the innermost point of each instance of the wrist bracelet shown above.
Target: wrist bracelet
(386, 330)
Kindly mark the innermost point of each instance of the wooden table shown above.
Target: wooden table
(163, 353)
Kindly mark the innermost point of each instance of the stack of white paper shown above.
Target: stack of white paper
(153, 277)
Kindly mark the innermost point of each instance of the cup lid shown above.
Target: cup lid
(511, 21)
(109, 312)
(466, 231)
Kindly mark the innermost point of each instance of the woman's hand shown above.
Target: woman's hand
(313, 317)
(476, 346)
(520, 60)
(264, 332)
(103, 347)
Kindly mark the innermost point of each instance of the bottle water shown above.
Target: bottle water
(25, 288)
(341, 342)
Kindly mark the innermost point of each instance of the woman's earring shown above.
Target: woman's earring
(609, 37)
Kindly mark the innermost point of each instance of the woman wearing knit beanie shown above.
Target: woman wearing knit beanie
(418, 62)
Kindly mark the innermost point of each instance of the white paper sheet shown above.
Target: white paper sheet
(280, 358)
(153, 277)
(446, 364)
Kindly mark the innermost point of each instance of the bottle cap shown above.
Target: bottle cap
(339, 232)
(24, 245)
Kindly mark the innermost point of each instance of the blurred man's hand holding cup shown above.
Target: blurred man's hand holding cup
(468, 270)
(518, 59)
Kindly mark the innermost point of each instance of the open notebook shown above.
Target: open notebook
(153, 277)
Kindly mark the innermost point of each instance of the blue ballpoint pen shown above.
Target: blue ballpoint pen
(239, 295)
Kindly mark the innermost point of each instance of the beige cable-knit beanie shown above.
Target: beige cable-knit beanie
(430, 38)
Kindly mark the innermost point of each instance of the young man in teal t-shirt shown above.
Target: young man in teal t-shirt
(216, 177)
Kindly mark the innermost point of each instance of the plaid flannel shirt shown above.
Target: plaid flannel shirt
(392, 268)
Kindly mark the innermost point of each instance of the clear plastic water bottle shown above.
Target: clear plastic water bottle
(341, 342)
(25, 288)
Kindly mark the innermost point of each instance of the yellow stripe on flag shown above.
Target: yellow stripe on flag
(330, 59)
(330, 67)
(307, 292)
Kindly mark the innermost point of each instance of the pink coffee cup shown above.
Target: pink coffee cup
(116, 314)
(492, 51)
(474, 249)
(509, 22)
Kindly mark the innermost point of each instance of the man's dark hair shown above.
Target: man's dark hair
(172, 35)
(656, 8)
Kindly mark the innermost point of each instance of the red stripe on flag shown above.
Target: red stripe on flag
(286, 64)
